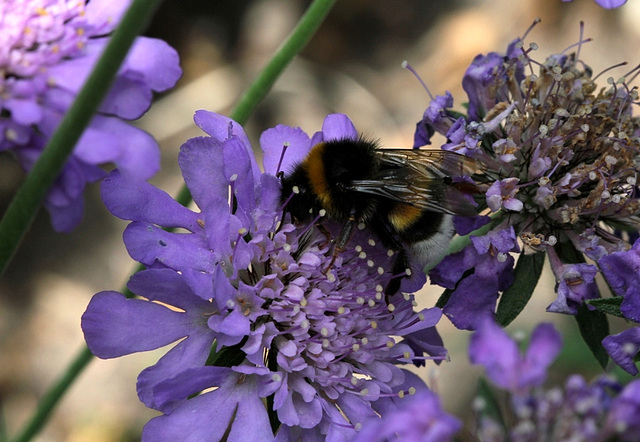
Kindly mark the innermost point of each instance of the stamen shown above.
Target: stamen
(285, 146)
(407, 66)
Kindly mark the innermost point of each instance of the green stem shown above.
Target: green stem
(303, 32)
(27, 200)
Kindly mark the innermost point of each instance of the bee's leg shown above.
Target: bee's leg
(343, 239)
(400, 265)
(326, 234)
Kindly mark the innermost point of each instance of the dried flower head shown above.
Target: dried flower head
(560, 156)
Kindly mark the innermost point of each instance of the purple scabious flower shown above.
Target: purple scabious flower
(280, 341)
(47, 50)
(601, 410)
(417, 418)
(559, 156)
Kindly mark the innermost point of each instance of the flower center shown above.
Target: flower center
(39, 33)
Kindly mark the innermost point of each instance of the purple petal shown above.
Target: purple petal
(134, 151)
(188, 382)
(169, 287)
(201, 163)
(610, 4)
(237, 170)
(140, 201)
(474, 298)
(70, 74)
(67, 217)
(219, 127)
(114, 326)
(544, 347)
(492, 348)
(234, 404)
(188, 353)
(128, 98)
(147, 244)
(23, 111)
(272, 142)
(155, 61)
(338, 126)
(623, 348)
(105, 16)
(222, 128)
(417, 418)
(623, 414)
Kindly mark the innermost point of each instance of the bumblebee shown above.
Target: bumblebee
(406, 197)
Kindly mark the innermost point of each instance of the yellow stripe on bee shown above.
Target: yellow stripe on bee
(314, 166)
(402, 216)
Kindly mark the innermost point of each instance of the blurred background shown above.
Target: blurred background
(353, 66)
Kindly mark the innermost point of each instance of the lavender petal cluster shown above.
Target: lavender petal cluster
(47, 50)
(600, 410)
(277, 337)
(558, 155)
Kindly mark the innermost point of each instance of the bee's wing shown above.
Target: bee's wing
(418, 178)
(428, 162)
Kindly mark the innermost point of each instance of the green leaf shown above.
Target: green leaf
(568, 253)
(444, 298)
(515, 298)
(594, 327)
(609, 306)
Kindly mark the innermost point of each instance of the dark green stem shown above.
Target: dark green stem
(28, 199)
(303, 32)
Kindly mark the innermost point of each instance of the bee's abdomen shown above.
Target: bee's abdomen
(403, 216)
(416, 224)
(430, 239)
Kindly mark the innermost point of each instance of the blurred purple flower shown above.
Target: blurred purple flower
(47, 50)
(418, 418)
(607, 4)
(623, 348)
(602, 410)
(491, 347)
(263, 316)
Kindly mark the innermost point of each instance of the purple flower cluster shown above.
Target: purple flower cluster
(47, 50)
(602, 410)
(275, 338)
(560, 160)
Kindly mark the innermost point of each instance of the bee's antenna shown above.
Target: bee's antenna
(405, 64)
(279, 173)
